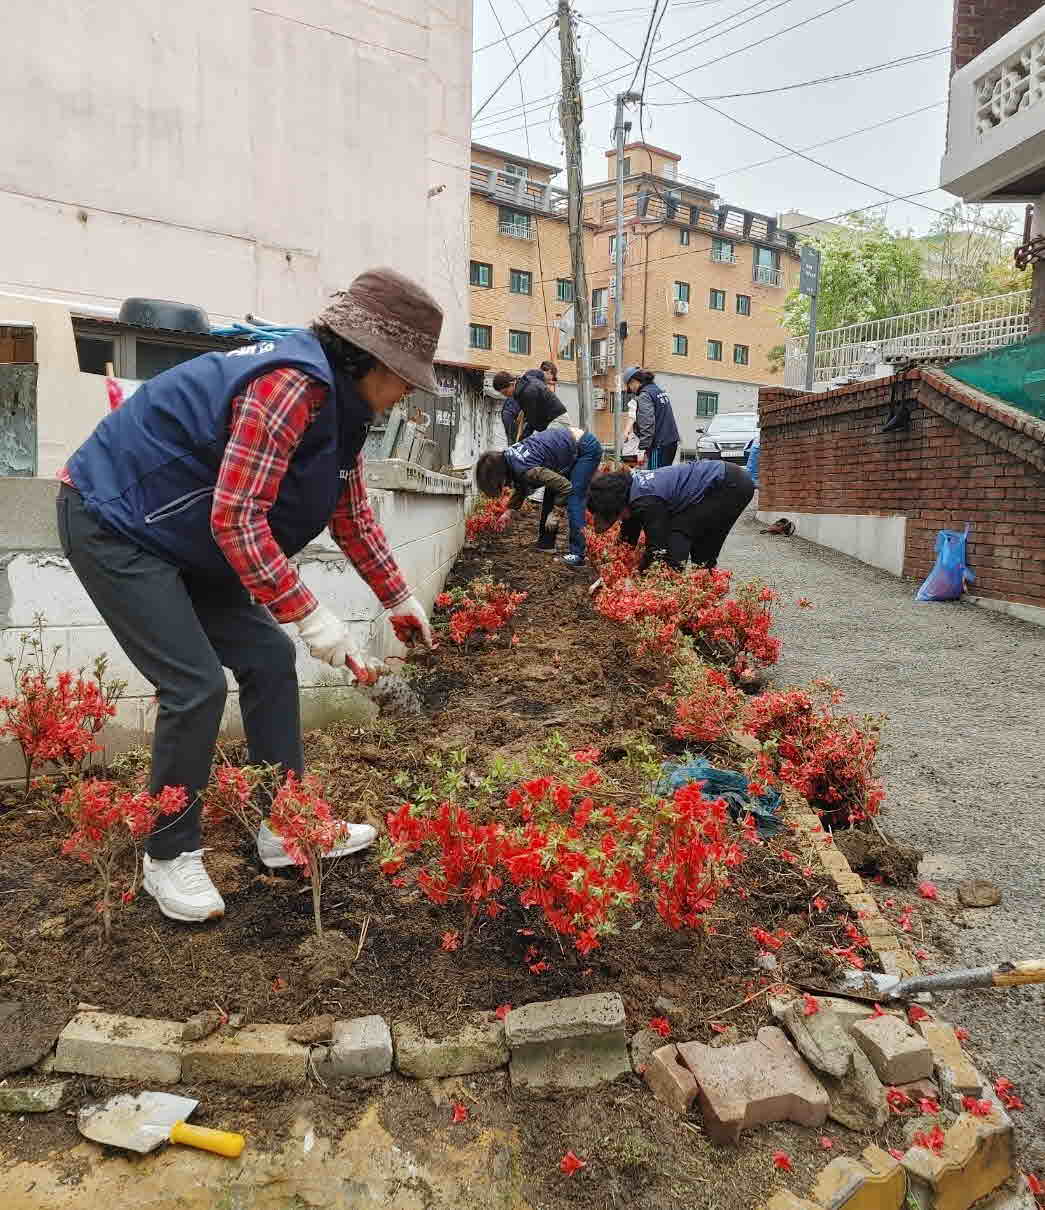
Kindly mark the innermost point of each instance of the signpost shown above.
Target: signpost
(809, 284)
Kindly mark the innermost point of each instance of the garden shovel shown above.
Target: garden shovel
(874, 988)
(143, 1122)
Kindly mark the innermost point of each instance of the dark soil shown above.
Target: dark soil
(572, 677)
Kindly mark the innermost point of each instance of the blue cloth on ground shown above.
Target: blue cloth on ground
(726, 784)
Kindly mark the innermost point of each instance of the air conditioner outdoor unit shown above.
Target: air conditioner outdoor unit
(681, 308)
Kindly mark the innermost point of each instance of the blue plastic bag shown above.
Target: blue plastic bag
(950, 573)
(754, 451)
(723, 783)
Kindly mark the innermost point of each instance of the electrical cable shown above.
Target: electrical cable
(645, 44)
(515, 33)
(518, 64)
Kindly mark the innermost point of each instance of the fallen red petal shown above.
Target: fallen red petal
(782, 1161)
(571, 1163)
(459, 1112)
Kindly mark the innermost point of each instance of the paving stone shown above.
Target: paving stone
(478, 1046)
(360, 1047)
(764, 1080)
(978, 893)
(847, 1012)
(954, 1071)
(897, 1053)
(857, 1100)
(254, 1056)
(898, 962)
(861, 901)
(36, 1098)
(574, 1017)
(788, 1201)
(820, 1037)
(848, 884)
(670, 1081)
(121, 1048)
(976, 1158)
(874, 1182)
(582, 1062)
(642, 1045)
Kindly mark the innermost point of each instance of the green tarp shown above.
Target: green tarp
(1015, 374)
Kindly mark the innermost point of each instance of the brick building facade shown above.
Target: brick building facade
(980, 23)
(966, 457)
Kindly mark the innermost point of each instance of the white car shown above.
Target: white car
(728, 436)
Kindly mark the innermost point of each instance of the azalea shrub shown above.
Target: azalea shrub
(55, 718)
(482, 607)
(108, 823)
(827, 756)
(487, 517)
(707, 706)
(580, 863)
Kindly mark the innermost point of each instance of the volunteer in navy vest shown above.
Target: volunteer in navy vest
(546, 375)
(654, 419)
(685, 511)
(562, 461)
(180, 514)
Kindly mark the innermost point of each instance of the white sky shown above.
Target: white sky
(903, 157)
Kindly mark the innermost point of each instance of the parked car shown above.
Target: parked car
(728, 436)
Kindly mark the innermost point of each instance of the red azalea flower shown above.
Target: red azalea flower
(586, 756)
(782, 1161)
(661, 1025)
(898, 1099)
(878, 1011)
(451, 940)
(826, 1143)
(928, 890)
(916, 1013)
(571, 1163)
(718, 1027)
(896, 1153)
(1034, 1183)
(962, 1034)
(979, 1109)
(932, 1141)
(458, 1112)
(810, 1004)
(820, 904)
(928, 1105)
(502, 1011)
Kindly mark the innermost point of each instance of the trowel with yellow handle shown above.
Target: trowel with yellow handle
(143, 1122)
(874, 987)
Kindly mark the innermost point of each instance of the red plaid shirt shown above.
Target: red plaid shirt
(266, 424)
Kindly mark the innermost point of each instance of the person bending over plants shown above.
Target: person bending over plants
(562, 461)
(685, 511)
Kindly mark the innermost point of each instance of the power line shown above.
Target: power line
(645, 43)
(514, 34)
(518, 64)
(619, 73)
(660, 22)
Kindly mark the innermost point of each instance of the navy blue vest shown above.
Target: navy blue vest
(678, 486)
(555, 449)
(149, 469)
(665, 430)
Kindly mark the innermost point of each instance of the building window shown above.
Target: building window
(723, 251)
(627, 165)
(520, 281)
(513, 169)
(766, 270)
(740, 355)
(569, 352)
(481, 274)
(743, 304)
(519, 342)
(134, 354)
(613, 246)
(684, 236)
(682, 291)
(680, 345)
(599, 312)
(564, 289)
(718, 300)
(515, 223)
(480, 336)
(707, 403)
(714, 350)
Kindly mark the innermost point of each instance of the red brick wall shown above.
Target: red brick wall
(980, 23)
(965, 457)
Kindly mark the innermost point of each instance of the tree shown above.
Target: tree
(968, 252)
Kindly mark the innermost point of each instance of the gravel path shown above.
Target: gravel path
(962, 758)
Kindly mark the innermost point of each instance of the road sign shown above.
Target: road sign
(809, 272)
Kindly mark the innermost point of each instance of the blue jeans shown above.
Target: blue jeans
(589, 455)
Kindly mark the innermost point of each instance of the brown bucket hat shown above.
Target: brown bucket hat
(393, 318)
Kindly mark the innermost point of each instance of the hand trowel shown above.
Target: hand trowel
(141, 1123)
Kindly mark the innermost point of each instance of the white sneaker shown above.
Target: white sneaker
(354, 836)
(182, 887)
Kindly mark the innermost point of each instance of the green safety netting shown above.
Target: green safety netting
(1015, 374)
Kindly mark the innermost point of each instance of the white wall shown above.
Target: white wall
(683, 388)
(237, 157)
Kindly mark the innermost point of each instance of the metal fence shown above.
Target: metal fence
(960, 330)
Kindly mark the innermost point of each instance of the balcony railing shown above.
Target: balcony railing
(723, 256)
(519, 192)
(768, 277)
(516, 230)
(598, 365)
(961, 330)
(598, 317)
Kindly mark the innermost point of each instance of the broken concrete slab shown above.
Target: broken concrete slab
(954, 1071)
(820, 1037)
(670, 1080)
(27, 1034)
(642, 1045)
(253, 1057)
(978, 893)
(857, 1100)
(897, 1053)
(478, 1046)
(874, 1182)
(121, 1048)
(763, 1080)
(846, 1012)
(360, 1047)
(577, 1042)
(975, 1159)
(573, 1017)
(32, 1098)
(202, 1024)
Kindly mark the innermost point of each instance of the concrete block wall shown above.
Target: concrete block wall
(422, 514)
(882, 497)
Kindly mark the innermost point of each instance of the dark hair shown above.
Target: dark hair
(501, 379)
(342, 354)
(645, 377)
(608, 494)
(549, 367)
(491, 473)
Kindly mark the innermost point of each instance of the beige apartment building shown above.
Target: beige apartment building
(704, 281)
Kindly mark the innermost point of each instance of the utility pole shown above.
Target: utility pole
(570, 114)
(623, 98)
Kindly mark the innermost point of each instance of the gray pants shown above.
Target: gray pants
(179, 631)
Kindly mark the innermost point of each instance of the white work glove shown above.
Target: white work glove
(327, 639)
(551, 526)
(410, 623)
(595, 587)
